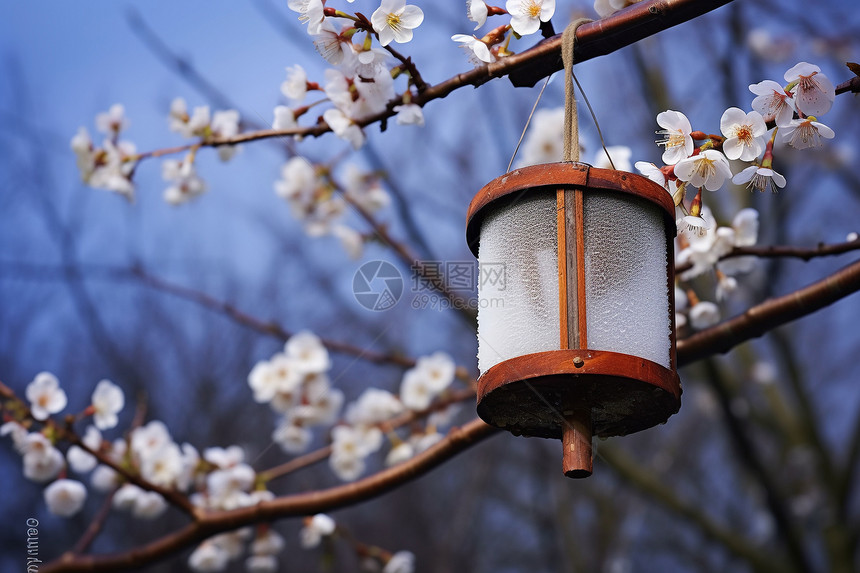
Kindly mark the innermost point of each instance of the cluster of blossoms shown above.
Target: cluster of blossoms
(43, 461)
(295, 384)
(314, 199)
(791, 110)
(526, 17)
(361, 83)
(112, 166)
(185, 184)
(361, 435)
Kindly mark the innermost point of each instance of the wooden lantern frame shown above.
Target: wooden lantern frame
(575, 392)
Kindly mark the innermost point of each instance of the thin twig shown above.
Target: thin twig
(786, 251)
(769, 314)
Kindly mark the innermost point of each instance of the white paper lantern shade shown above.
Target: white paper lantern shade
(578, 338)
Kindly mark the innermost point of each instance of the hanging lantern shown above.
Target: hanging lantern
(576, 329)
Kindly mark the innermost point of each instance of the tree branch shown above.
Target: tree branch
(457, 440)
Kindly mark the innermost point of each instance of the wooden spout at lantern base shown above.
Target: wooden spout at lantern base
(576, 437)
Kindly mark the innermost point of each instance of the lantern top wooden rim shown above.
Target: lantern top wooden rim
(551, 176)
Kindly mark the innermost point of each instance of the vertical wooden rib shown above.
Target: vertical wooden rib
(572, 268)
(581, 325)
(561, 230)
(577, 457)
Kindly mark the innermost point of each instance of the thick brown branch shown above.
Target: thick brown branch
(768, 315)
(457, 440)
(595, 39)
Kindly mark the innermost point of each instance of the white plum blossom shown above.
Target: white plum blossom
(268, 542)
(45, 396)
(113, 121)
(104, 478)
(315, 528)
(476, 11)
(814, 92)
(759, 178)
(400, 562)
(415, 392)
(18, 433)
(725, 286)
(350, 445)
(295, 87)
(394, 20)
(310, 11)
(479, 52)
(364, 189)
(351, 240)
(744, 134)
(344, 127)
(293, 438)
(180, 122)
(107, 401)
(225, 124)
(764, 45)
(261, 564)
(141, 503)
(804, 133)
(163, 465)
(526, 15)
(208, 558)
(399, 454)
(333, 46)
(373, 406)
(745, 227)
(620, 155)
(676, 136)
(185, 183)
(708, 169)
(704, 314)
(409, 114)
(544, 139)
(79, 459)
(606, 8)
(228, 488)
(65, 497)
(692, 226)
(772, 102)
(115, 164)
(85, 154)
(42, 461)
(149, 438)
(307, 353)
(284, 118)
(224, 458)
(431, 375)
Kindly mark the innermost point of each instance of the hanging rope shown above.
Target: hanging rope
(571, 125)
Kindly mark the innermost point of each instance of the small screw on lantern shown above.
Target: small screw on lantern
(576, 335)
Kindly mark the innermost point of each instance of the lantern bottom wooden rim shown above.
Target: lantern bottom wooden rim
(529, 395)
